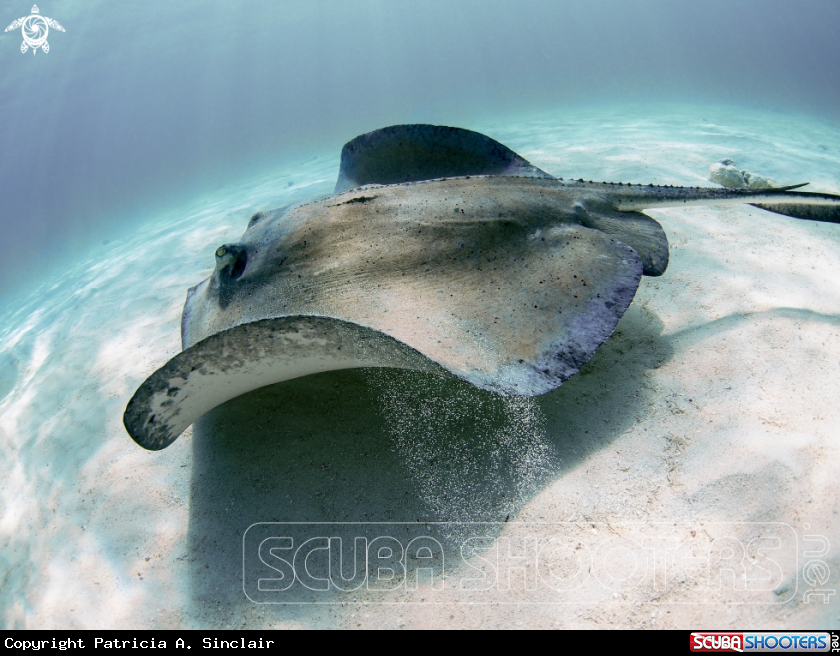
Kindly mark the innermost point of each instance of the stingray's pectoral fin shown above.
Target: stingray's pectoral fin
(410, 153)
(250, 356)
(824, 213)
(639, 231)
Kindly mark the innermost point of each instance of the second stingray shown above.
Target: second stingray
(441, 250)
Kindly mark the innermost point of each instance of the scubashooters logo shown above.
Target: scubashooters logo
(798, 642)
(35, 29)
(520, 562)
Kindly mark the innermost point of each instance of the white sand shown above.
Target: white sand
(713, 409)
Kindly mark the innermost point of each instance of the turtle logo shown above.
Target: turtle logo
(35, 29)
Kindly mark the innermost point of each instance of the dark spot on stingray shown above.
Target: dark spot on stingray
(238, 267)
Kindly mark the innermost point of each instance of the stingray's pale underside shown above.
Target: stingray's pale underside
(441, 250)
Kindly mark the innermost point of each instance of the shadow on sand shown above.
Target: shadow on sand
(395, 446)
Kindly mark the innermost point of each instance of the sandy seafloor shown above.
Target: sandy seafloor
(710, 421)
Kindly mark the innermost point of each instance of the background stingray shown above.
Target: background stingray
(449, 253)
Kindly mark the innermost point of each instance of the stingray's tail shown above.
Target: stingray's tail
(781, 200)
(824, 213)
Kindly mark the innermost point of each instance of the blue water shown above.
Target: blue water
(140, 105)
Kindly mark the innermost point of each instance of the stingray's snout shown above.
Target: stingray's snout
(231, 260)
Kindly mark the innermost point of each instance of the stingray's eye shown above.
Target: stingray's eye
(231, 260)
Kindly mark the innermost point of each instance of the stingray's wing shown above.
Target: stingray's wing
(802, 205)
(518, 313)
(249, 356)
(408, 153)
(639, 231)
(15, 24)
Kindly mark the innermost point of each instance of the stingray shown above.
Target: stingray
(441, 250)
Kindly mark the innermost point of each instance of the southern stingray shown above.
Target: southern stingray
(440, 250)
